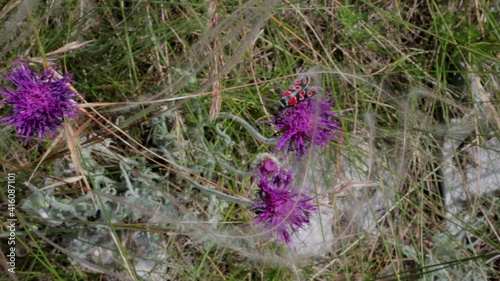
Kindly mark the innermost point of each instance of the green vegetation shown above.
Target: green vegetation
(411, 189)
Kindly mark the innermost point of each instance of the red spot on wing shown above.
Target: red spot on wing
(292, 87)
(309, 93)
(301, 97)
(287, 94)
(298, 87)
(297, 81)
(293, 101)
(304, 80)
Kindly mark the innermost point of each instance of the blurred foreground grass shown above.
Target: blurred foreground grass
(416, 85)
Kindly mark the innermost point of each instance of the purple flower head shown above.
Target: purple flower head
(280, 208)
(267, 166)
(308, 123)
(39, 102)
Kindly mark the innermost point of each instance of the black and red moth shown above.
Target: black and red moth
(299, 91)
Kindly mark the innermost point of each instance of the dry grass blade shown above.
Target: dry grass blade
(253, 15)
(218, 61)
(55, 55)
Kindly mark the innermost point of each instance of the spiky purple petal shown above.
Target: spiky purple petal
(39, 102)
(280, 208)
(311, 122)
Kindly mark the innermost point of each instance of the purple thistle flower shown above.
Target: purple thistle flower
(39, 102)
(267, 167)
(308, 123)
(280, 208)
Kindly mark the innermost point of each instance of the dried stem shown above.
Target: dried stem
(218, 60)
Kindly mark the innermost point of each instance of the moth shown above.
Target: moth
(298, 91)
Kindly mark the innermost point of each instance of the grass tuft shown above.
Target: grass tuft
(131, 189)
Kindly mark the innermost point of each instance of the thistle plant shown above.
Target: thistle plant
(309, 123)
(281, 207)
(302, 123)
(39, 102)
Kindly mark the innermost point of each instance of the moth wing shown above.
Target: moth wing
(316, 89)
(303, 80)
